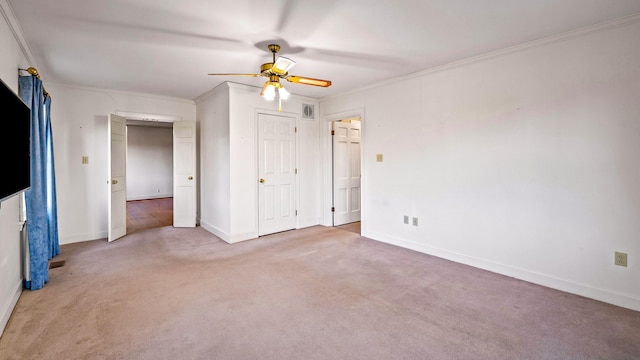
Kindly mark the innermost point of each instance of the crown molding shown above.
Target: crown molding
(603, 26)
(16, 30)
(121, 92)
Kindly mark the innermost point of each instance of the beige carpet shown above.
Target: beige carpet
(315, 293)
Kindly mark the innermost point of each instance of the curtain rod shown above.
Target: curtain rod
(34, 72)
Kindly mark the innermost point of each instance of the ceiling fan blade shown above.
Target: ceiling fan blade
(254, 75)
(308, 81)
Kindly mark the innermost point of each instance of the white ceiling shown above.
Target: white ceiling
(168, 47)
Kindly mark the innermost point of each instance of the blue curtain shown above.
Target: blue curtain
(52, 207)
(40, 199)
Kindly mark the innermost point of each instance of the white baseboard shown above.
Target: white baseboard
(82, 237)
(242, 237)
(215, 231)
(7, 309)
(231, 239)
(568, 286)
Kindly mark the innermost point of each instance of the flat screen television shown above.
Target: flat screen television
(15, 148)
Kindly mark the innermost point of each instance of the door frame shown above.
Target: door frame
(327, 161)
(128, 115)
(333, 166)
(296, 117)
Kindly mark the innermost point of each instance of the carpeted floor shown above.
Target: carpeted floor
(314, 293)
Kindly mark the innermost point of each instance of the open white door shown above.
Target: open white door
(117, 134)
(184, 173)
(276, 169)
(346, 172)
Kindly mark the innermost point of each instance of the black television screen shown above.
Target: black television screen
(15, 116)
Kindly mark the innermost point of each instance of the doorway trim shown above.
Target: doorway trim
(347, 157)
(327, 161)
(152, 118)
(130, 115)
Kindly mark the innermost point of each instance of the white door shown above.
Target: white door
(117, 177)
(277, 174)
(184, 174)
(346, 172)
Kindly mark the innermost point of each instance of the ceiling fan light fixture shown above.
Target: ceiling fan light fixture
(282, 65)
(276, 70)
(268, 91)
(284, 94)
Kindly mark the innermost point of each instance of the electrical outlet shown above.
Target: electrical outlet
(415, 221)
(406, 219)
(620, 259)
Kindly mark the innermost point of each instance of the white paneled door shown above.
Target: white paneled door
(346, 172)
(117, 141)
(184, 174)
(277, 174)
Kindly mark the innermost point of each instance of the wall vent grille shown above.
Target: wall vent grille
(308, 111)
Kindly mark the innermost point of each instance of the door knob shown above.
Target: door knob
(190, 177)
(114, 181)
(262, 181)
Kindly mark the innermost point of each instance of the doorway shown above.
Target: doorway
(182, 183)
(149, 166)
(346, 173)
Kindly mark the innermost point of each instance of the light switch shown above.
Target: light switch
(379, 157)
(85, 160)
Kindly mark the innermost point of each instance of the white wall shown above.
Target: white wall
(11, 60)
(149, 162)
(79, 124)
(525, 162)
(236, 158)
(212, 119)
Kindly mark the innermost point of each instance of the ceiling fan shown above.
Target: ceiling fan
(276, 70)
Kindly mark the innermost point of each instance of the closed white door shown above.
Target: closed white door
(346, 172)
(117, 177)
(277, 174)
(184, 174)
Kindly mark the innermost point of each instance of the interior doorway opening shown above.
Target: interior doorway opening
(149, 163)
(182, 160)
(346, 172)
